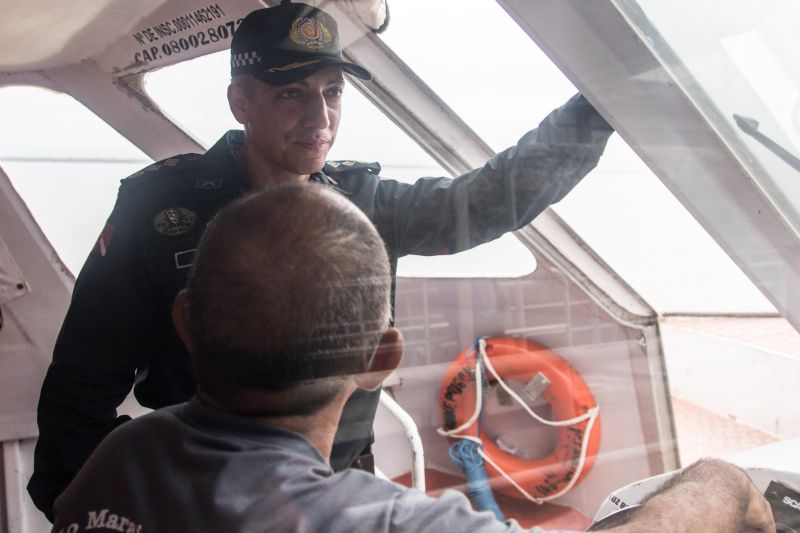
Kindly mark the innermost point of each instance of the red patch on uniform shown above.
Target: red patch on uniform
(104, 240)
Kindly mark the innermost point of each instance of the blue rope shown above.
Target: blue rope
(464, 453)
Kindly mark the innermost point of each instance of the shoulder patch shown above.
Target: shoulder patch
(104, 240)
(340, 167)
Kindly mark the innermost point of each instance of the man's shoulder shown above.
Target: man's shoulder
(358, 180)
(152, 422)
(174, 166)
(170, 174)
(181, 179)
(348, 167)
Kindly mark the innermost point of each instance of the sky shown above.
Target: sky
(500, 84)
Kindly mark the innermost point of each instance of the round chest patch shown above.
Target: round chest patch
(310, 32)
(174, 221)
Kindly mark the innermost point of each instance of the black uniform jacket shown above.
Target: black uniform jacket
(118, 333)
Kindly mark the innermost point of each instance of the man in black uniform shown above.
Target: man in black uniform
(287, 67)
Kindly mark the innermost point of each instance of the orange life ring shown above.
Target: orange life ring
(567, 394)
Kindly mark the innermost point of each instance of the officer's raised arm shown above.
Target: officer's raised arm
(441, 215)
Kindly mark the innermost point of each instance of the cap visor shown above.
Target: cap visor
(285, 77)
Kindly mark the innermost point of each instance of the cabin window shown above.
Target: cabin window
(502, 84)
(479, 61)
(65, 163)
(365, 134)
(743, 71)
(192, 94)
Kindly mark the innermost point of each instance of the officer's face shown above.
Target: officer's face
(292, 127)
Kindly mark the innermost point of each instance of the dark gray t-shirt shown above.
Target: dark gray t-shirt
(192, 468)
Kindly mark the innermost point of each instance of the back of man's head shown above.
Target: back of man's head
(289, 290)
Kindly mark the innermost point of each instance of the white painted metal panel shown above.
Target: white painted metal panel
(20, 514)
(51, 33)
(30, 321)
(748, 383)
(12, 283)
(120, 103)
(177, 31)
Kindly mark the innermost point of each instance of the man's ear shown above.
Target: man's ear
(386, 359)
(238, 102)
(180, 320)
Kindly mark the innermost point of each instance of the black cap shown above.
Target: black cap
(286, 43)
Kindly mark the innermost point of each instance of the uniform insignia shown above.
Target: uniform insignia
(149, 168)
(293, 66)
(204, 183)
(174, 221)
(351, 165)
(104, 240)
(245, 58)
(184, 259)
(310, 33)
(234, 140)
(171, 162)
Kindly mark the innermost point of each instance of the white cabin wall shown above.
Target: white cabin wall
(31, 320)
(21, 516)
(441, 317)
(750, 384)
(121, 105)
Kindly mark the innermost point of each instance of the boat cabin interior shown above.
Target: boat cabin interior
(666, 285)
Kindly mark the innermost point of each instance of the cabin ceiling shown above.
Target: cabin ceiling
(42, 34)
(46, 34)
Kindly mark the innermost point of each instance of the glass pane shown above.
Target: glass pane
(502, 84)
(505, 257)
(193, 95)
(736, 62)
(639, 228)
(495, 81)
(741, 60)
(61, 175)
(485, 67)
(365, 134)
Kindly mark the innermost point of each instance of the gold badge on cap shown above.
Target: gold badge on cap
(310, 32)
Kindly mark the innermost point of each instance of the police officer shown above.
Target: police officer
(287, 80)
